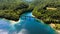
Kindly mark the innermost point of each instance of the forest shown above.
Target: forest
(46, 10)
(12, 9)
(49, 12)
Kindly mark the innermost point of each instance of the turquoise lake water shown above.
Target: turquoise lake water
(25, 26)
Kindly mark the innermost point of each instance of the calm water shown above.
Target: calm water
(25, 26)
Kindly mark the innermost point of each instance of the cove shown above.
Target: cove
(25, 26)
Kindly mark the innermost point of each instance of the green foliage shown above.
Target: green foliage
(48, 15)
(12, 11)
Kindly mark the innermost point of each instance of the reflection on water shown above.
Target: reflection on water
(3, 31)
(23, 31)
(25, 26)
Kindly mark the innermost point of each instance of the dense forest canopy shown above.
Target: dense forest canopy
(12, 9)
(48, 11)
(20, 6)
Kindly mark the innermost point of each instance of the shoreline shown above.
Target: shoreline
(58, 31)
(54, 26)
(12, 21)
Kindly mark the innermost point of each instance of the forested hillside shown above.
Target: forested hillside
(12, 9)
(49, 12)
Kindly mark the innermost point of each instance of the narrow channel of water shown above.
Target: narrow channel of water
(25, 26)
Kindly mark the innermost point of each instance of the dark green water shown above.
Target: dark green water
(25, 26)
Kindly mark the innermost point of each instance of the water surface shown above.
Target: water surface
(26, 25)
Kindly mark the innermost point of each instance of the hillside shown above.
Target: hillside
(12, 9)
(46, 10)
(49, 12)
